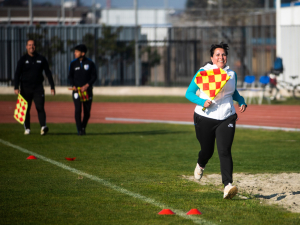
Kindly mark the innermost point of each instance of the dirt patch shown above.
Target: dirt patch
(281, 189)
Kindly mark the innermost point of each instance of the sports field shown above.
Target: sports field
(127, 173)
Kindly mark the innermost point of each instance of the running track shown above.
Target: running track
(63, 112)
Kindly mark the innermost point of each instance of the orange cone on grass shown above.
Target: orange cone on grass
(70, 159)
(166, 212)
(31, 157)
(194, 212)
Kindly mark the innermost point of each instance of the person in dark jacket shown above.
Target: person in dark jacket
(82, 75)
(29, 76)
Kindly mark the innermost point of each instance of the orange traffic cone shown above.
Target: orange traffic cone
(194, 212)
(70, 159)
(166, 212)
(31, 157)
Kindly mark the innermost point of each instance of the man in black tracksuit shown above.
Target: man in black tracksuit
(29, 76)
(82, 74)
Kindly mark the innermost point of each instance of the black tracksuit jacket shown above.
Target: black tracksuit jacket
(81, 73)
(29, 72)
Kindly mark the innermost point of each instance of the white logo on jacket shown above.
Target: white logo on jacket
(39, 61)
(77, 68)
(86, 66)
(27, 62)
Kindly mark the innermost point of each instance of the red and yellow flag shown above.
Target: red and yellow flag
(211, 81)
(83, 95)
(21, 109)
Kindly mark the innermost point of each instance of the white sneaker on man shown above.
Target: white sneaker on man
(230, 191)
(27, 131)
(198, 172)
(44, 130)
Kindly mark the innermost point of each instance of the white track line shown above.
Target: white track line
(178, 212)
(148, 121)
(191, 123)
(268, 128)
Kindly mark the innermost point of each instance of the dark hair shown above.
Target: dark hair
(30, 40)
(81, 48)
(221, 45)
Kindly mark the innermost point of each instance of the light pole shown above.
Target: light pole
(30, 11)
(137, 72)
(267, 5)
(278, 28)
(94, 11)
(62, 12)
(220, 8)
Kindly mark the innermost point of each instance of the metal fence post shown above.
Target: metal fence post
(137, 72)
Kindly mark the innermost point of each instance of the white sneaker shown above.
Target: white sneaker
(27, 131)
(44, 130)
(230, 191)
(198, 172)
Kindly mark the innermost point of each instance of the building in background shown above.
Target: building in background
(72, 13)
(288, 40)
(173, 43)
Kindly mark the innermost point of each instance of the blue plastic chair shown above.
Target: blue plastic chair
(264, 81)
(249, 79)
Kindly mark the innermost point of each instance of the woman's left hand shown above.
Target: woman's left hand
(243, 108)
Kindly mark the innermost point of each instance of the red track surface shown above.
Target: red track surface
(63, 112)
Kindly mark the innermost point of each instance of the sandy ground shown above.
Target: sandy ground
(281, 189)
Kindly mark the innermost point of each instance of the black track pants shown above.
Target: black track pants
(87, 105)
(207, 131)
(38, 96)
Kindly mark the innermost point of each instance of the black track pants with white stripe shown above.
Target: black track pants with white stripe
(207, 131)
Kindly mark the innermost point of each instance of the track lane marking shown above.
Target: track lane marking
(191, 123)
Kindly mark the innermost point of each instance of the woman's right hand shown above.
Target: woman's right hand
(207, 103)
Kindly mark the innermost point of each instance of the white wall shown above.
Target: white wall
(126, 17)
(290, 15)
(290, 51)
(147, 19)
(289, 42)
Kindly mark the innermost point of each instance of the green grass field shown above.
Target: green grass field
(147, 160)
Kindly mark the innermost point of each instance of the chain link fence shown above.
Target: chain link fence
(168, 56)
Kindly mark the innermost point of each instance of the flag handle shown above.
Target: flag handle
(203, 109)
